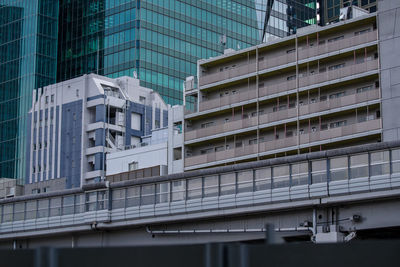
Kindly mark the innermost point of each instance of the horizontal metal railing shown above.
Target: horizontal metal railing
(304, 52)
(267, 90)
(314, 175)
(283, 114)
(271, 145)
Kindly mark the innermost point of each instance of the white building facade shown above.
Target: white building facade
(75, 124)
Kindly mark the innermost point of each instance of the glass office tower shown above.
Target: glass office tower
(28, 45)
(330, 9)
(160, 41)
(281, 18)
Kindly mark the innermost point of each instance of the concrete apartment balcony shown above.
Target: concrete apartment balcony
(338, 73)
(228, 100)
(272, 145)
(284, 114)
(277, 88)
(278, 115)
(221, 128)
(270, 62)
(338, 132)
(339, 102)
(227, 74)
(328, 47)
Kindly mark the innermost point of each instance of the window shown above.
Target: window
(396, 160)
(219, 148)
(47, 99)
(336, 95)
(157, 124)
(338, 124)
(206, 151)
(339, 169)
(336, 39)
(52, 98)
(77, 92)
(362, 32)
(207, 124)
(136, 120)
(364, 89)
(133, 166)
(36, 191)
(253, 141)
(290, 78)
(337, 66)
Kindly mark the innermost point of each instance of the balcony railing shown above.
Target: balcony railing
(338, 73)
(328, 47)
(228, 100)
(356, 170)
(343, 101)
(227, 74)
(304, 52)
(221, 128)
(270, 62)
(266, 146)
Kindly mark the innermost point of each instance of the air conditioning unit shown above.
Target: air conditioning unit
(120, 141)
(120, 118)
(10, 191)
(189, 83)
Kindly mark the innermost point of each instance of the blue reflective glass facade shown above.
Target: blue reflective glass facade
(28, 47)
(159, 41)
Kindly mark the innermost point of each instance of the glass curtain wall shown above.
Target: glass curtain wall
(284, 17)
(80, 38)
(28, 45)
(330, 9)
